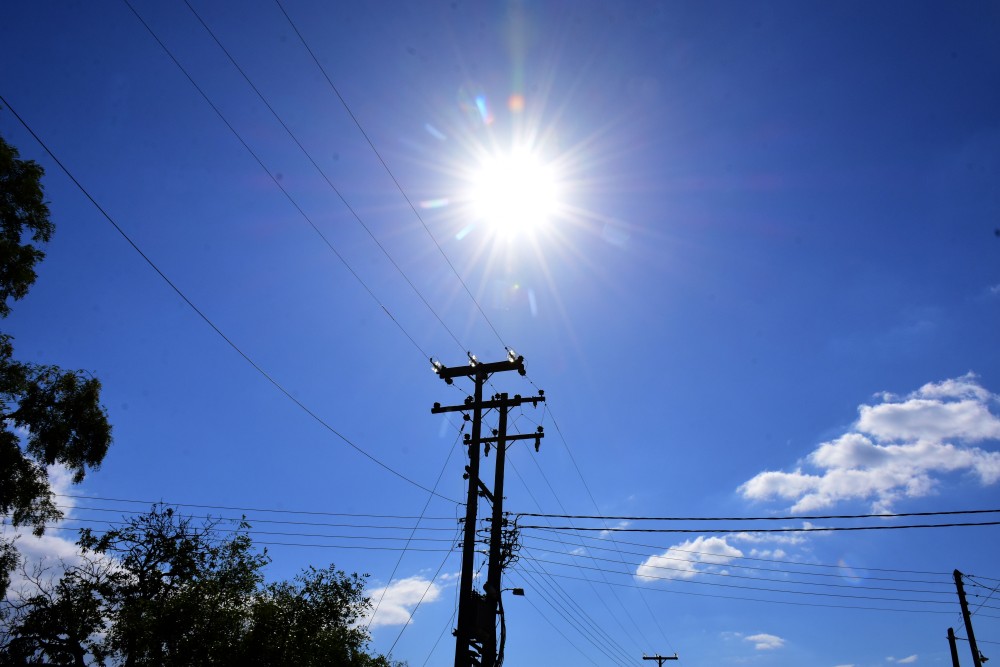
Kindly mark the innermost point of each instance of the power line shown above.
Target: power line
(559, 609)
(593, 500)
(666, 550)
(388, 171)
(561, 633)
(757, 518)
(540, 570)
(256, 520)
(784, 602)
(757, 558)
(413, 532)
(326, 178)
(813, 529)
(777, 590)
(273, 178)
(251, 531)
(314, 546)
(751, 577)
(592, 583)
(437, 641)
(244, 509)
(277, 385)
(419, 602)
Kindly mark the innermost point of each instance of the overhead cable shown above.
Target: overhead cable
(267, 376)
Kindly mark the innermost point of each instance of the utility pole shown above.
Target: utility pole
(475, 634)
(953, 647)
(660, 659)
(976, 657)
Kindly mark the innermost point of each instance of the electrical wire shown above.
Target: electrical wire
(811, 529)
(559, 609)
(769, 601)
(274, 179)
(326, 178)
(417, 606)
(267, 376)
(561, 633)
(592, 583)
(730, 564)
(243, 509)
(402, 553)
(256, 520)
(539, 569)
(309, 545)
(763, 560)
(251, 531)
(437, 641)
(385, 165)
(777, 590)
(593, 500)
(757, 518)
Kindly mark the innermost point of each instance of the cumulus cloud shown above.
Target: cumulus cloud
(399, 599)
(765, 642)
(55, 547)
(899, 447)
(687, 559)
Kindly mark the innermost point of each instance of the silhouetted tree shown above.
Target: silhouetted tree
(165, 590)
(47, 415)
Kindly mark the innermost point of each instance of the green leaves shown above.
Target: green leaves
(49, 416)
(166, 590)
(22, 209)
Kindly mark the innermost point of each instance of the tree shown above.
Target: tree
(165, 590)
(47, 415)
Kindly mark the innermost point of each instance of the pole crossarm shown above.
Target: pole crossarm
(492, 404)
(523, 436)
(477, 368)
(660, 659)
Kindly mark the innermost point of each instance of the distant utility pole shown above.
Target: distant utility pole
(475, 634)
(976, 657)
(660, 659)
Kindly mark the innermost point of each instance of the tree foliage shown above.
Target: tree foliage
(165, 590)
(47, 415)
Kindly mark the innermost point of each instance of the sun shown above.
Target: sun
(515, 193)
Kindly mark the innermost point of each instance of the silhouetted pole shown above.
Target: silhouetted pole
(954, 648)
(475, 633)
(660, 659)
(968, 620)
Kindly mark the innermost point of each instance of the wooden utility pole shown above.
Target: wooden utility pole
(953, 647)
(976, 658)
(660, 659)
(475, 633)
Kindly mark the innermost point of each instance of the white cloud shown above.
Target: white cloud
(899, 447)
(904, 661)
(687, 559)
(55, 546)
(620, 524)
(851, 665)
(765, 642)
(400, 597)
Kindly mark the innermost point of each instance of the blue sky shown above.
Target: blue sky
(769, 284)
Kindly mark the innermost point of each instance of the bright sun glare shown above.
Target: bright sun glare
(515, 193)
